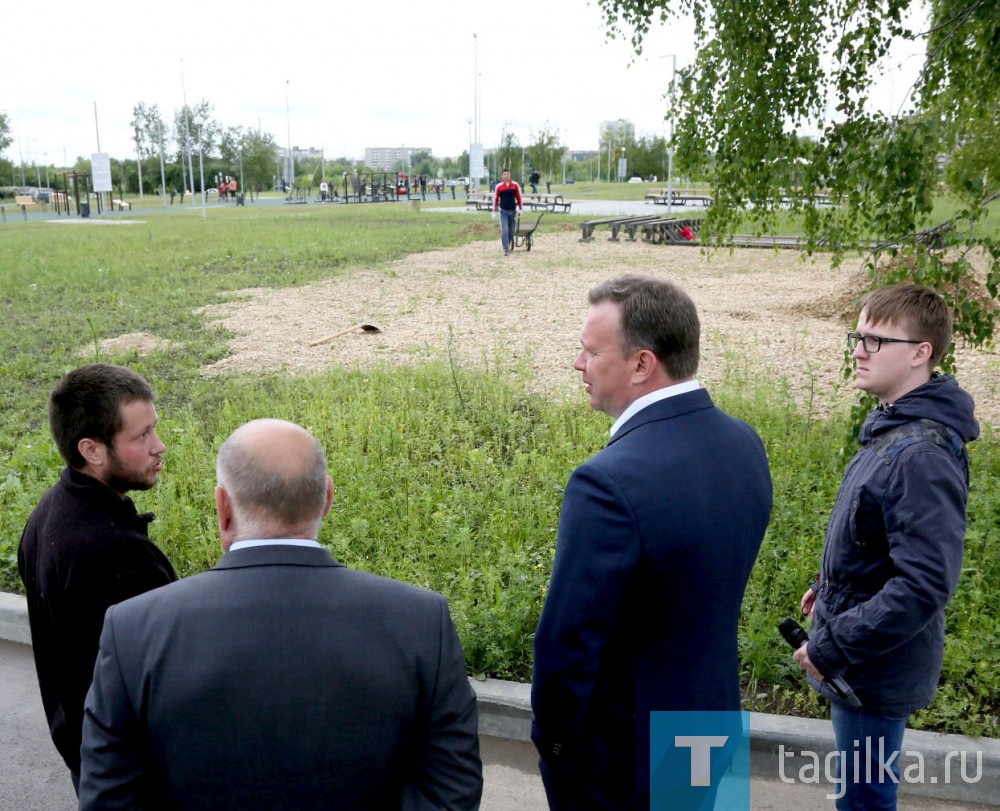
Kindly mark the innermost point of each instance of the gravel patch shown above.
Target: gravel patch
(762, 312)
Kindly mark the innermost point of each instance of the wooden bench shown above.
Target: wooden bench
(122, 205)
(481, 201)
(587, 228)
(679, 198)
(819, 198)
(543, 198)
(668, 231)
(24, 200)
(548, 202)
(630, 225)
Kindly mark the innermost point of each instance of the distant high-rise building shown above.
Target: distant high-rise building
(384, 158)
(620, 132)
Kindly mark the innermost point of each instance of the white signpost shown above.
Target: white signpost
(476, 162)
(100, 168)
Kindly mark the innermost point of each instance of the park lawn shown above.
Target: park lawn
(446, 477)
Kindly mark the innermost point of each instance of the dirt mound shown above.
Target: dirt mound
(132, 343)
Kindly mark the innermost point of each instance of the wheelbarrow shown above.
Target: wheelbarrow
(524, 234)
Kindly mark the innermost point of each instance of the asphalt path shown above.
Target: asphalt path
(34, 778)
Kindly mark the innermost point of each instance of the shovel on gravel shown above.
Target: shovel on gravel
(362, 326)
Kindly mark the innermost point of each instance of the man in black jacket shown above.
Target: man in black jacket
(85, 547)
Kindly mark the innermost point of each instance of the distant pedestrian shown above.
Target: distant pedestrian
(507, 200)
(533, 180)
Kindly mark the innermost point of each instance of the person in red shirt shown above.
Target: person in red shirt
(507, 200)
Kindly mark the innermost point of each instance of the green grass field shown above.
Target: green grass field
(446, 477)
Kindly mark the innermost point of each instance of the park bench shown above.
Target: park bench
(668, 231)
(24, 200)
(679, 198)
(587, 228)
(481, 201)
(630, 225)
(789, 197)
(548, 202)
(543, 198)
(122, 205)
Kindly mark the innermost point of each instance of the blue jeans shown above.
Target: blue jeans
(870, 747)
(507, 228)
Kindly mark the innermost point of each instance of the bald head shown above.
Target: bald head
(272, 483)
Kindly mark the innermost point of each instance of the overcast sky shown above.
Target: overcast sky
(340, 76)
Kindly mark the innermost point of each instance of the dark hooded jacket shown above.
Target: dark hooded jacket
(893, 551)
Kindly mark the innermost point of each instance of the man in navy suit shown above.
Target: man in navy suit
(280, 679)
(657, 536)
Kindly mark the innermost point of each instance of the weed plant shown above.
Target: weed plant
(445, 478)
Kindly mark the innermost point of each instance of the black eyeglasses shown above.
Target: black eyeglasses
(873, 343)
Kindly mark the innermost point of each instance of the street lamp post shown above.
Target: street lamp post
(187, 137)
(201, 172)
(475, 86)
(288, 124)
(475, 172)
(163, 171)
(670, 141)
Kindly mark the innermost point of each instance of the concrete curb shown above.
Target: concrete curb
(795, 749)
(945, 767)
(14, 618)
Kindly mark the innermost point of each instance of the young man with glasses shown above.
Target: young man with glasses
(894, 543)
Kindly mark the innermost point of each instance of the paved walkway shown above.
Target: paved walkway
(33, 777)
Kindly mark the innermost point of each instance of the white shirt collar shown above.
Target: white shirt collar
(274, 542)
(640, 403)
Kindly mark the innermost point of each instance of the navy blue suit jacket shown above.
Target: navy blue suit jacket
(281, 680)
(657, 536)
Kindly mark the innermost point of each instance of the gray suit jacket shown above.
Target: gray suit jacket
(281, 679)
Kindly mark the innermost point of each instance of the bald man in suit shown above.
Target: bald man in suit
(280, 678)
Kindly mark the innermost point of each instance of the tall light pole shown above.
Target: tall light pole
(670, 137)
(20, 152)
(475, 87)
(163, 171)
(97, 132)
(474, 171)
(288, 124)
(187, 136)
(201, 171)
